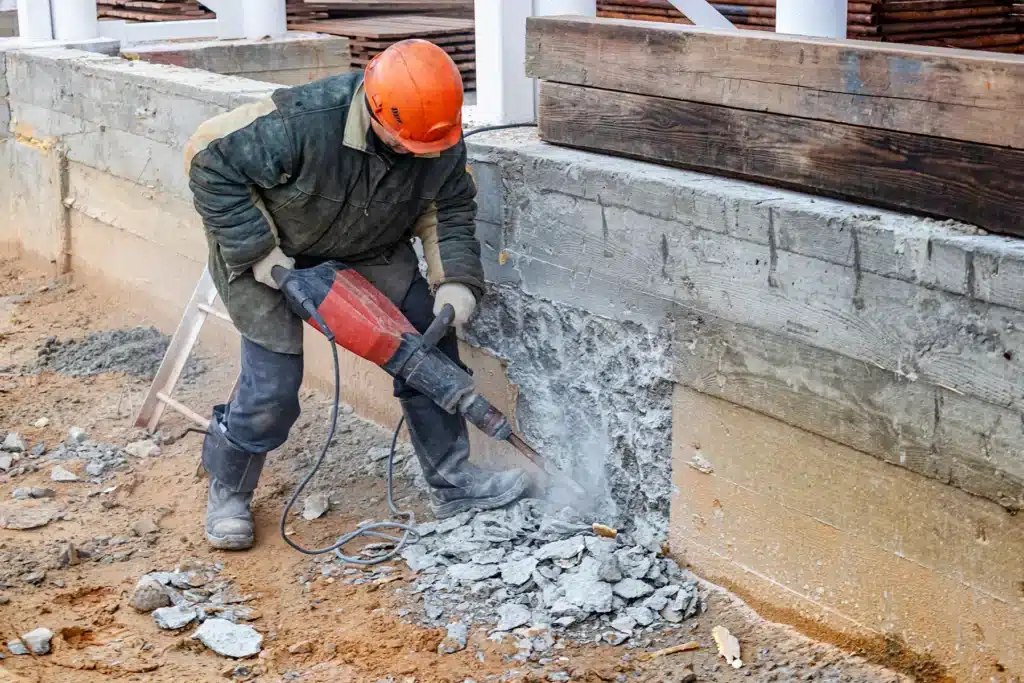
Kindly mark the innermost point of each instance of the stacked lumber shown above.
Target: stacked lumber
(975, 24)
(300, 12)
(151, 10)
(369, 36)
(936, 132)
(343, 9)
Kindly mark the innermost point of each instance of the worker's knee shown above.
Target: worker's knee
(267, 403)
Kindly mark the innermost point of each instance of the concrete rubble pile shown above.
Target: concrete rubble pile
(100, 460)
(531, 572)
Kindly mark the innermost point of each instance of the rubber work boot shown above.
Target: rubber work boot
(441, 441)
(234, 473)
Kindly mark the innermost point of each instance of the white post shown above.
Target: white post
(550, 8)
(826, 18)
(34, 20)
(262, 18)
(503, 92)
(74, 19)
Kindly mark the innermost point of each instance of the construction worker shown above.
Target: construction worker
(347, 168)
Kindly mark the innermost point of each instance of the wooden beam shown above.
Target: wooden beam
(980, 184)
(957, 94)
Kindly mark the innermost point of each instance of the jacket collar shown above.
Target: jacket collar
(357, 125)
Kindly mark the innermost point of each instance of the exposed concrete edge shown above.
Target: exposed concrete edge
(935, 254)
(106, 46)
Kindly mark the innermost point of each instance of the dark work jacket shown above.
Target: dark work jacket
(303, 170)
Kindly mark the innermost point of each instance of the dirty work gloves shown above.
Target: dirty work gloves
(460, 297)
(261, 269)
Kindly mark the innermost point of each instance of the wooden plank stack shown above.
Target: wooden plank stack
(345, 9)
(976, 24)
(151, 10)
(936, 132)
(369, 36)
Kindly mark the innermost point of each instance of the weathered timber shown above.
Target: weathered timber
(956, 94)
(980, 184)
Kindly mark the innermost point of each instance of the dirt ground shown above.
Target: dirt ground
(354, 632)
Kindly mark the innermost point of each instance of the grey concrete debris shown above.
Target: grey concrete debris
(641, 615)
(631, 589)
(173, 618)
(13, 443)
(512, 615)
(316, 506)
(519, 572)
(15, 516)
(77, 436)
(38, 640)
(62, 474)
(468, 572)
(624, 623)
(458, 636)
(143, 449)
(6, 461)
(134, 351)
(149, 595)
(614, 637)
(95, 468)
(418, 558)
(144, 526)
(561, 550)
(37, 450)
(16, 647)
(229, 640)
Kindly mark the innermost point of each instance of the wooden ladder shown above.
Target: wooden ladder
(159, 397)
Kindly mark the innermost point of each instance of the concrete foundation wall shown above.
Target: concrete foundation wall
(293, 59)
(819, 403)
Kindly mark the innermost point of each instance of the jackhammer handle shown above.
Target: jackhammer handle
(440, 326)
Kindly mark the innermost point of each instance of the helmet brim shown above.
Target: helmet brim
(447, 142)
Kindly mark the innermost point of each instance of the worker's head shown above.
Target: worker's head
(414, 93)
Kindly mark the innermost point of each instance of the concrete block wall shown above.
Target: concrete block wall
(847, 414)
(292, 59)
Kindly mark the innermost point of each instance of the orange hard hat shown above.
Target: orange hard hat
(414, 91)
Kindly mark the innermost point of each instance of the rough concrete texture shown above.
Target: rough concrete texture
(781, 302)
(134, 351)
(595, 397)
(292, 59)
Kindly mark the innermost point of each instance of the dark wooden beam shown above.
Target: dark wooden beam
(957, 94)
(980, 184)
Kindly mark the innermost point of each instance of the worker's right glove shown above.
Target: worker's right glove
(261, 269)
(460, 297)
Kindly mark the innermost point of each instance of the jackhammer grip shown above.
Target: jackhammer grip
(440, 326)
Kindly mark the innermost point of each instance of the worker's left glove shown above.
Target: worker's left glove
(261, 269)
(460, 297)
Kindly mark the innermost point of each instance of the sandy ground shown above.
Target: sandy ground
(354, 632)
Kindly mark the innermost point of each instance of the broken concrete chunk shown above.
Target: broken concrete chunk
(149, 595)
(316, 506)
(145, 526)
(632, 589)
(142, 449)
(512, 615)
(41, 422)
(13, 443)
(641, 615)
(95, 468)
(16, 647)
(62, 474)
(32, 492)
(6, 461)
(18, 518)
(634, 562)
(624, 623)
(519, 572)
(589, 594)
(229, 640)
(458, 636)
(453, 523)
(37, 450)
(38, 640)
(728, 646)
(469, 573)
(77, 436)
(656, 602)
(561, 550)
(173, 618)
(614, 637)
(490, 556)
(418, 559)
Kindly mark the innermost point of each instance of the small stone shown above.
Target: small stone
(13, 443)
(565, 622)
(687, 675)
(519, 572)
(4, 600)
(631, 589)
(62, 474)
(145, 526)
(17, 647)
(418, 559)
(229, 640)
(41, 422)
(316, 506)
(38, 640)
(558, 676)
(641, 615)
(142, 449)
(458, 636)
(95, 468)
(149, 595)
(173, 618)
(614, 637)
(15, 517)
(609, 570)
(512, 615)
(624, 623)
(77, 436)
(303, 647)
(34, 578)
(38, 450)
(6, 461)
(68, 556)
(470, 573)
(672, 616)
(561, 550)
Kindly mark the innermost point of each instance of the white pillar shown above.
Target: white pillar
(826, 18)
(262, 18)
(74, 19)
(503, 92)
(34, 20)
(550, 8)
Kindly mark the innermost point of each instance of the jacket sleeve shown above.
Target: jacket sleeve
(447, 229)
(229, 159)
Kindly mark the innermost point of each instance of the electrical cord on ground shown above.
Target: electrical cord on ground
(371, 530)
